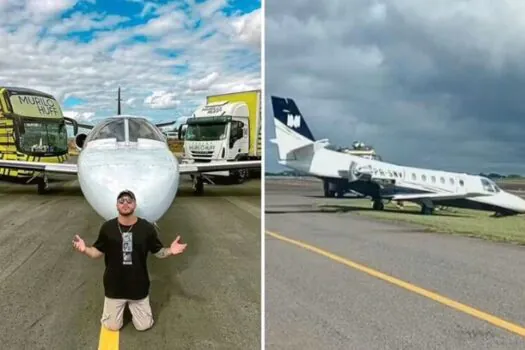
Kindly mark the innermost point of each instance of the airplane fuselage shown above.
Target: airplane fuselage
(298, 150)
(335, 166)
(147, 167)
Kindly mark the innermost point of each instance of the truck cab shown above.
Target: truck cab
(218, 131)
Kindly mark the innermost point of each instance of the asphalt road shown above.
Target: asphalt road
(316, 302)
(51, 297)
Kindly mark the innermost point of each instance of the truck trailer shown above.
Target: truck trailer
(226, 128)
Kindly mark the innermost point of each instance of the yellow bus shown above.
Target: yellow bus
(32, 128)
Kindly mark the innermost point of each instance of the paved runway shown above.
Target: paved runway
(341, 300)
(51, 297)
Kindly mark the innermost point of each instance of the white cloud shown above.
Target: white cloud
(162, 100)
(204, 83)
(428, 83)
(248, 28)
(89, 54)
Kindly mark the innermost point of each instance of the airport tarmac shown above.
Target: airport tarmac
(51, 297)
(339, 281)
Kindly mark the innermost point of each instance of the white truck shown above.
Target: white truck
(227, 127)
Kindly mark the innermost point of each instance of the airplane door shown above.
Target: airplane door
(459, 184)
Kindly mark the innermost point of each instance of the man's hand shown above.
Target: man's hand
(176, 247)
(79, 244)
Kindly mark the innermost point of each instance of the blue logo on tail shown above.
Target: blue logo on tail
(286, 111)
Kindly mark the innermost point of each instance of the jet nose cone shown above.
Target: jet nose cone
(515, 203)
(520, 204)
(154, 183)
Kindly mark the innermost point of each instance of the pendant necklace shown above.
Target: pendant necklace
(120, 229)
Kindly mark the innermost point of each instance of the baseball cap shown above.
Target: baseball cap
(126, 193)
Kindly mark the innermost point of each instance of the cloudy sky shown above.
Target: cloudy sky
(166, 55)
(437, 84)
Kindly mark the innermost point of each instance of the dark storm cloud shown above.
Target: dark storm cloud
(431, 85)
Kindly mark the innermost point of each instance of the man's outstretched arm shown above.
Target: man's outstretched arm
(163, 253)
(93, 252)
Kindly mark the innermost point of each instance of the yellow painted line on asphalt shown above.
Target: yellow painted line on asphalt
(109, 340)
(514, 328)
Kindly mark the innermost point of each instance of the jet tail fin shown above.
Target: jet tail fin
(291, 130)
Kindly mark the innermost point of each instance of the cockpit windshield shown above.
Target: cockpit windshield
(115, 128)
(142, 129)
(489, 185)
(110, 129)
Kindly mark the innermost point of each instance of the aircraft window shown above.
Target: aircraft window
(414, 177)
(451, 181)
(110, 129)
(461, 183)
(442, 180)
(487, 186)
(494, 186)
(142, 129)
(433, 179)
(424, 177)
(490, 186)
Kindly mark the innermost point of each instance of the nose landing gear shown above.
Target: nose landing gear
(198, 184)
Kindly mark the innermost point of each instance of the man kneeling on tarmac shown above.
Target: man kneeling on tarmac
(125, 242)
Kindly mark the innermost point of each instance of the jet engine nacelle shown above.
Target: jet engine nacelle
(357, 172)
(79, 140)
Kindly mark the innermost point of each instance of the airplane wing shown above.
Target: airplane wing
(58, 168)
(184, 168)
(435, 197)
(193, 168)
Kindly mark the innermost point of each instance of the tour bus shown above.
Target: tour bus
(32, 128)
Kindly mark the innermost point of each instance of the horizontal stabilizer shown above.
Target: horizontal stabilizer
(436, 196)
(85, 126)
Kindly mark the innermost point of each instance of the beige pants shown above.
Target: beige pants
(113, 313)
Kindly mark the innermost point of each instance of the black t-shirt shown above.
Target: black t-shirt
(125, 256)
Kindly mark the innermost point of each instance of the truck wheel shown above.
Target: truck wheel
(241, 175)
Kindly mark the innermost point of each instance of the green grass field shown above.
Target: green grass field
(465, 222)
(511, 181)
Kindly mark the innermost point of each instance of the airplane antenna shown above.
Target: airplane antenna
(118, 99)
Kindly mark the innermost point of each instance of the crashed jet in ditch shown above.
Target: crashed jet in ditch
(380, 180)
(127, 152)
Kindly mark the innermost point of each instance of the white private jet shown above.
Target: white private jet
(126, 152)
(380, 180)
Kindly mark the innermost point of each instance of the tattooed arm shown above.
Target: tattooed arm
(155, 245)
(157, 248)
(163, 253)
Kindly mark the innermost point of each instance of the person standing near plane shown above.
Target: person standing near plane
(125, 242)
